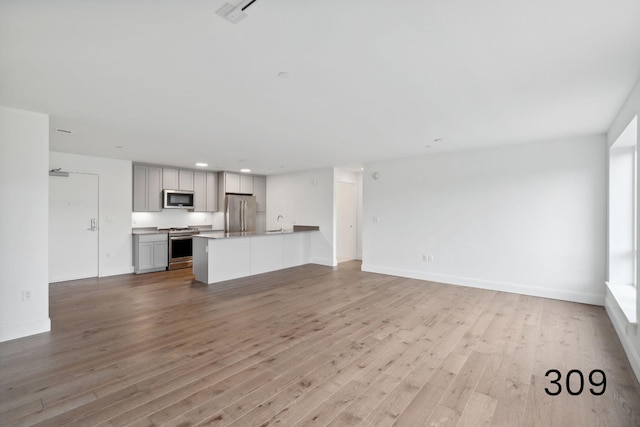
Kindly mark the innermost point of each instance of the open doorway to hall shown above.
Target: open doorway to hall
(348, 213)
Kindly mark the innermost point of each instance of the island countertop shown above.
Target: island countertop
(220, 256)
(240, 234)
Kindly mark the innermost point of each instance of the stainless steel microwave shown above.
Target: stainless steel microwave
(178, 199)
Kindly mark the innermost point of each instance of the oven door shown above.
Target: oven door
(180, 248)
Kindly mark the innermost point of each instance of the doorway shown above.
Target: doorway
(73, 226)
(346, 221)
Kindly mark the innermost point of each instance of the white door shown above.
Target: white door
(73, 227)
(346, 203)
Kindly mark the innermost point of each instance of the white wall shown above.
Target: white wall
(627, 332)
(356, 179)
(528, 219)
(115, 242)
(24, 195)
(305, 198)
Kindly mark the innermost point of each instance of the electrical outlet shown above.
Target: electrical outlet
(429, 258)
(26, 295)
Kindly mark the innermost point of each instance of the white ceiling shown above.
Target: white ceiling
(170, 82)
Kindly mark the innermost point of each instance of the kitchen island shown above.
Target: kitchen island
(220, 256)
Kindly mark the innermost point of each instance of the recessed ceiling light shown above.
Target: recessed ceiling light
(283, 75)
(245, 170)
(202, 165)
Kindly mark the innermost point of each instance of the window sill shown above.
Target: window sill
(625, 296)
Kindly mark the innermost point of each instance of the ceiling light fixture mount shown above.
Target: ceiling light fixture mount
(234, 14)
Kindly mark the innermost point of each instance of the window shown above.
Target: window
(623, 234)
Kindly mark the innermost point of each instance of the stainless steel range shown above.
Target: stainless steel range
(181, 247)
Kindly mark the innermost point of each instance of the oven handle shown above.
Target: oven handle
(180, 237)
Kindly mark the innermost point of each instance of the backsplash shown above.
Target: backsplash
(177, 218)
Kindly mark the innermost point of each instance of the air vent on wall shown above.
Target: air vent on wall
(58, 172)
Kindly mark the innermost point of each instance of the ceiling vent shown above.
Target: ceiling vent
(234, 14)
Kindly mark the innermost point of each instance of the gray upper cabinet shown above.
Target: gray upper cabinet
(147, 188)
(200, 188)
(236, 183)
(256, 185)
(231, 182)
(170, 179)
(246, 184)
(205, 185)
(185, 180)
(260, 191)
(212, 192)
(149, 181)
(177, 179)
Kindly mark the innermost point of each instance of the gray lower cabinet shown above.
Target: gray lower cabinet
(150, 252)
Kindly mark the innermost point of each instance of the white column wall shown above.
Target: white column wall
(24, 195)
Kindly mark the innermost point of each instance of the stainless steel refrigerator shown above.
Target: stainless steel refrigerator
(240, 213)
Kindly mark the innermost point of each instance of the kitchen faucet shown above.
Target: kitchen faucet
(280, 218)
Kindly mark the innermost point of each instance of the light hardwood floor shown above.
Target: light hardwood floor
(307, 346)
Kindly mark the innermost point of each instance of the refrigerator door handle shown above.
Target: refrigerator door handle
(241, 216)
(244, 215)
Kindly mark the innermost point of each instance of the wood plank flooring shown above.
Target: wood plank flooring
(312, 346)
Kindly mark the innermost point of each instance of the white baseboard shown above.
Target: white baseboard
(324, 261)
(517, 288)
(117, 272)
(625, 331)
(24, 329)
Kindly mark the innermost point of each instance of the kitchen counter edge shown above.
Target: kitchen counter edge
(240, 235)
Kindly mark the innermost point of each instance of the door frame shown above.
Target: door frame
(97, 272)
(354, 209)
